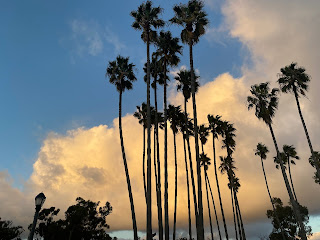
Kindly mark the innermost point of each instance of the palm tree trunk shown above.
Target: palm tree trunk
(289, 169)
(200, 229)
(134, 223)
(209, 211)
(218, 187)
(237, 216)
(234, 216)
(293, 202)
(149, 200)
(240, 216)
(191, 165)
(188, 190)
(316, 161)
(144, 163)
(166, 207)
(274, 210)
(214, 207)
(175, 186)
(158, 161)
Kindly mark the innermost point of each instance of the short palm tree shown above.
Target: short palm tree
(265, 103)
(120, 73)
(168, 49)
(294, 79)
(174, 116)
(215, 125)
(193, 19)
(262, 151)
(146, 19)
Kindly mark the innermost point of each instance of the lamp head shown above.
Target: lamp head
(39, 201)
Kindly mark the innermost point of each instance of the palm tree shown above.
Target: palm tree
(226, 166)
(215, 125)
(265, 104)
(120, 73)
(168, 49)
(174, 116)
(146, 18)
(262, 151)
(294, 79)
(291, 154)
(205, 162)
(312, 158)
(184, 85)
(141, 115)
(157, 75)
(193, 20)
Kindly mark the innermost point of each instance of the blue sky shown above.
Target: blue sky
(52, 73)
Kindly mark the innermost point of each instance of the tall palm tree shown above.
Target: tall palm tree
(291, 154)
(193, 20)
(174, 116)
(146, 19)
(185, 131)
(120, 73)
(184, 84)
(168, 49)
(215, 125)
(205, 162)
(226, 166)
(265, 104)
(141, 115)
(294, 79)
(203, 136)
(157, 75)
(262, 151)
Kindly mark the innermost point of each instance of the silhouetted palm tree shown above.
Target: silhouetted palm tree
(141, 115)
(215, 125)
(168, 49)
(313, 159)
(184, 85)
(146, 18)
(294, 79)
(174, 116)
(265, 104)
(205, 162)
(262, 151)
(291, 154)
(193, 20)
(120, 73)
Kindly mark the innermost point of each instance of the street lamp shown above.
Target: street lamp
(39, 201)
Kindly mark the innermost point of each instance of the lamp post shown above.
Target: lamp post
(39, 201)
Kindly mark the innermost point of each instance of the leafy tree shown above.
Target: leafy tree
(146, 19)
(120, 73)
(265, 103)
(287, 221)
(9, 232)
(294, 79)
(84, 220)
(193, 19)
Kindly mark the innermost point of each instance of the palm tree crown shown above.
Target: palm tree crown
(261, 151)
(293, 79)
(175, 116)
(145, 18)
(205, 161)
(264, 101)
(121, 74)
(203, 134)
(215, 125)
(141, 114)
(184, 83)
(194, 20)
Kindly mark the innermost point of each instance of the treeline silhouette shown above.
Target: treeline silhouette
(120, 72)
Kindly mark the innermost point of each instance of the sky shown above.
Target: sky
(59, 131)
